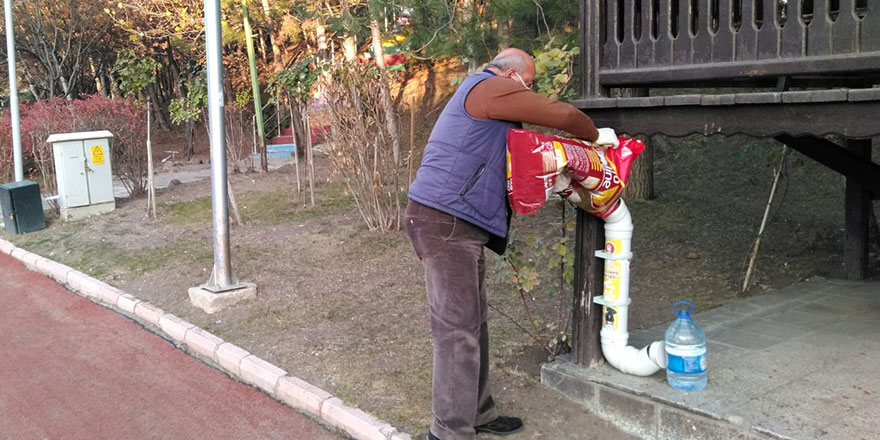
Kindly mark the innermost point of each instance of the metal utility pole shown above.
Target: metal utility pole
(222, 289)
(255, 86)
(13, 92)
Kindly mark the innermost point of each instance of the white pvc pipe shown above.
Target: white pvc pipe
(615, 299)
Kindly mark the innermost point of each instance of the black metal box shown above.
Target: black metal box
(22, 207)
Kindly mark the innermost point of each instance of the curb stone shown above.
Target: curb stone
(6, 247)
(235, 361)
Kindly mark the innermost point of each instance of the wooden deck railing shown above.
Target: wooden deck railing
(648, 43)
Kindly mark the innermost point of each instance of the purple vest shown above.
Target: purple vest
(464, 167)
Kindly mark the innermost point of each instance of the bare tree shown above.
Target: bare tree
(59, 37)
(387, 102)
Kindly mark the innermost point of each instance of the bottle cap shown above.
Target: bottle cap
(683, 309)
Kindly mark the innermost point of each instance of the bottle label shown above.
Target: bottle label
(686, 361)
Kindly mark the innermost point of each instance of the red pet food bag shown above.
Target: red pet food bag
(589, 176)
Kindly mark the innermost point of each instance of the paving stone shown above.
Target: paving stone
(864, 94)
(844, 397)
(808, 321)
(852, 303)
(680, 425)
(742, 339)
(229, 356)
(203, 342)
(90, 287)
(74, 280)
(633, 414)
(721, 354)
(260, 373)
(819, 308)
(30, 260)
(126, 303)
(174, 327)
(301, 395)
(768, 301)
(17, 253)
(109, 294)
(835, 344)
(576, 389)
(800, 96)
(682, 100)
(776, 330)
(359, 424)
(6, 247)
(148, 313)
(862, 328)
(759, 98)
(53, 270)
(867, 290)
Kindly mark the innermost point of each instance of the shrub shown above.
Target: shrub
(360, 148)
(127, 120)
(39, 119)
(6, 165)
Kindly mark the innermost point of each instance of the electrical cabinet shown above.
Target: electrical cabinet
(84, 173)
(22, 207)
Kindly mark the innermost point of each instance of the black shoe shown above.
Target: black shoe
(431, 436)
(501, 426)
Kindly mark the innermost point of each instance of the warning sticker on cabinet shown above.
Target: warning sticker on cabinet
(97, 155)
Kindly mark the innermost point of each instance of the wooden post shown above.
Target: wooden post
(856, 218)
(412, 138)
(588, 275)
(862, 177)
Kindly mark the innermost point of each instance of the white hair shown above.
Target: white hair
(515, 62)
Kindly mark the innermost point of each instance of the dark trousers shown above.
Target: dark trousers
(451, 251)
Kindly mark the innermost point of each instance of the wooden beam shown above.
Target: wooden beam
(852, 161)
(588, 275)
(828, 64)
(855, 119)
(857, 217)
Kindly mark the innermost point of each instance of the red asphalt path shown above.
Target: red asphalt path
(71, 369)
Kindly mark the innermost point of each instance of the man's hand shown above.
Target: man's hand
(607, 138)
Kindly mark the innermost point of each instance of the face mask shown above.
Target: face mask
(521, 80)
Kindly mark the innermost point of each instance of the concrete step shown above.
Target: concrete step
(275, 148)
(282, 140)
(783, 365)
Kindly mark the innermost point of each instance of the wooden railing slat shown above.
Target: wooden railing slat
(627, 53)
(850, 43)
(703, 40)
(724, 39)
(663, 45)
(588, 71)
(819, 29)
(611, 52)
(870, 28)
(845, 30)
(768, 35)
(747, 37)
(682, 45)
(794, 32)
(645, 45)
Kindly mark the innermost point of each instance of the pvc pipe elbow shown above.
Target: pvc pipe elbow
(631, 360)
(620, 219)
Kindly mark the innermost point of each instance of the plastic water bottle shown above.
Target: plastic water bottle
(685, 350)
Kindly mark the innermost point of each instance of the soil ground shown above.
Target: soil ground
(344, 307)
